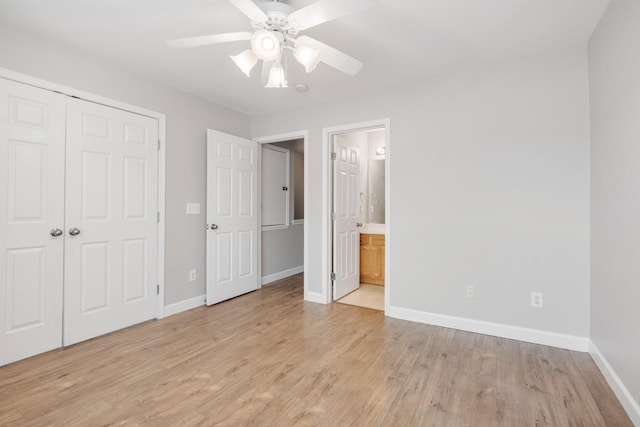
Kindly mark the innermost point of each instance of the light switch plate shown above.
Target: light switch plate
(193, 208)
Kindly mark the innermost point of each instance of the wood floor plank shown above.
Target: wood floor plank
(611, 409)
(512, 406)
(270, 359)
(419, 393)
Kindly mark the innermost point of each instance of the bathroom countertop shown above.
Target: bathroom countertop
(373, 229)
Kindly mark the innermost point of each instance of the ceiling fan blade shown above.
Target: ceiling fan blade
(332, 56)
(264, 76)
(210, 39)
(250, 9)
(326, 10)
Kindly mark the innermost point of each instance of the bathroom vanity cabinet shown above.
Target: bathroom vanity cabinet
(372, 259)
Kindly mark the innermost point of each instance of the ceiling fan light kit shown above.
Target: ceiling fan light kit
(275, 28)
(245, 61)
(277, 77)
(307, 56)
(267, 45)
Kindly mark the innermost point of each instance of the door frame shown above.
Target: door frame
(304, 135)
(162, 135)
(327, 197)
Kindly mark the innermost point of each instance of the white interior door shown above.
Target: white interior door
(111, 220)
(275, 187)
(32, 133)
(346, 234)
(232, 218)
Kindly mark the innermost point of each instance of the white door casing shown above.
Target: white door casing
(346, 234)
(111, 198)
(232, 216)
(32, 134)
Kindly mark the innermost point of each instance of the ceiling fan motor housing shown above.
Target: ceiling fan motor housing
(277, 19)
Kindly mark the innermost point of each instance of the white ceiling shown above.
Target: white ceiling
(399, 41)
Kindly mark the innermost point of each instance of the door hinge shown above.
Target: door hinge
(333, 276)
(333, 156)
(158, 289)
(333, 216)
(158, 217)
(158, 144)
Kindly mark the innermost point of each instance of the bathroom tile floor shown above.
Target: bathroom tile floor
(369, 296)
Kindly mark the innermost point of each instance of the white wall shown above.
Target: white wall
(283, 250)
(489, 187)
(614, 69)
(188, 117)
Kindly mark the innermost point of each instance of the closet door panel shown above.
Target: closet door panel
(32, 141)
(111, 205)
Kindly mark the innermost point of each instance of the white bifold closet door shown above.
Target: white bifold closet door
(78, 226)
(32, 134)
(111, 200)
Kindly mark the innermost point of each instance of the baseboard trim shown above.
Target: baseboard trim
(622, 393)
(314, 297)
(281, 275)
(554, 339)
(185, 305)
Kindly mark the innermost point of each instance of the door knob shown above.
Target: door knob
(359, 224)
(214, 226)
(74, 231)
(56, 232)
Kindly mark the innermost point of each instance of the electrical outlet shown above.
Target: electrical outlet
(471, 292)
(536, 299)
(193, 208)
(192, 275)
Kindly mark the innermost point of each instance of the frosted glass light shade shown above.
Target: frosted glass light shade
(307, 56)
(245, 61)
(266, 44)
(277, 77)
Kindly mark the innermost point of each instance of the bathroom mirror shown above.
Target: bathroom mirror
(376, 191)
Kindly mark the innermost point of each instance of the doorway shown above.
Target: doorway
(283, 206)
(356, 199)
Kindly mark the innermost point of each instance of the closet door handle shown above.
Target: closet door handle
(214, 226)
(56, 232)
(74, 231)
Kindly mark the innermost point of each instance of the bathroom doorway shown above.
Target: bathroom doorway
(358, 205)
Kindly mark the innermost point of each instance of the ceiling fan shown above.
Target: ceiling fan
(275, 28)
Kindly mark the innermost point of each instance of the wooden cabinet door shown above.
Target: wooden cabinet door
(371, 262)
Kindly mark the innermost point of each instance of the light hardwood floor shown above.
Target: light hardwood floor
(268, 358)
